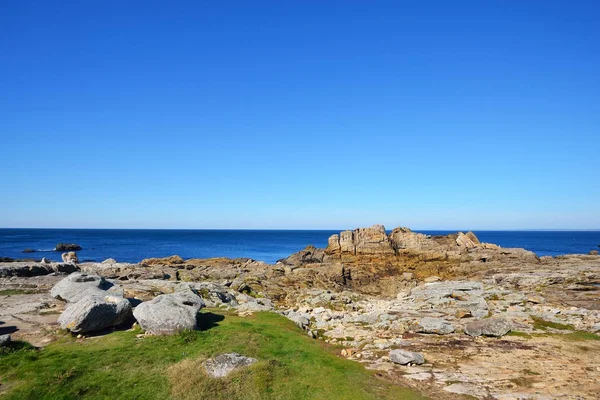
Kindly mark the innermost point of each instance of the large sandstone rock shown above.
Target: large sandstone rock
(496, 327)
(468, 240)
(404, 357)
(373, 240)
(79, 285)
(404, 238)
(169, 313)
(95, 313)
(224, 364)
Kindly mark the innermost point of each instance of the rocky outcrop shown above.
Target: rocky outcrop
(373, 240)
(30, 269)
(95, 313)
(224, 364)
(169, 313)
(374, 262)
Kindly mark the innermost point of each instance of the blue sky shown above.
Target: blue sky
(300, 114)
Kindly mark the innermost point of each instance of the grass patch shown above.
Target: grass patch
(519, 334)
(119, 365)
(541, 324)
(577, 336)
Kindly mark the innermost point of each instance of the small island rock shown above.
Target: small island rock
(67, 247)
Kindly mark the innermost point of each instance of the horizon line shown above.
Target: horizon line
(320, 229)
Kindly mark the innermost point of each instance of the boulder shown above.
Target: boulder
(67, 247)
(95, 313)
(79, 285)
(434, 325)
(404, 357)
(224, 364)
(169, 313)
(70, 257)
(496, 327)
(4, 340)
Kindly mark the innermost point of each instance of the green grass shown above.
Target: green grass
(577, 336)
(120, 366)
(541, 324)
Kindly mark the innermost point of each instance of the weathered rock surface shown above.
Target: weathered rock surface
(224, 364)
(79, 285)
(169, 313)
(95, 313)
(434, 325)
(496, 327)
(404, 357)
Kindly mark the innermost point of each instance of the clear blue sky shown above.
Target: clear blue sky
(300, 114)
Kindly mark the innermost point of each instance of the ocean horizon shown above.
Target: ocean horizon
(269, 245)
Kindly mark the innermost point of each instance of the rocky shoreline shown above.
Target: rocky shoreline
(447, 315)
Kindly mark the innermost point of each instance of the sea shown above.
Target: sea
(133, 245)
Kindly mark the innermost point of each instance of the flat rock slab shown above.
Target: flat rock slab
(434, 325)
(169, 313)
(224, 364)
(496, 327)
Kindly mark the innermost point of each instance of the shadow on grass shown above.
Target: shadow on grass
(206, 321)
(16, 345)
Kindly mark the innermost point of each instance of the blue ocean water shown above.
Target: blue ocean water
(265, 245)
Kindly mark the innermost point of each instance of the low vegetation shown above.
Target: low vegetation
(121, 365)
